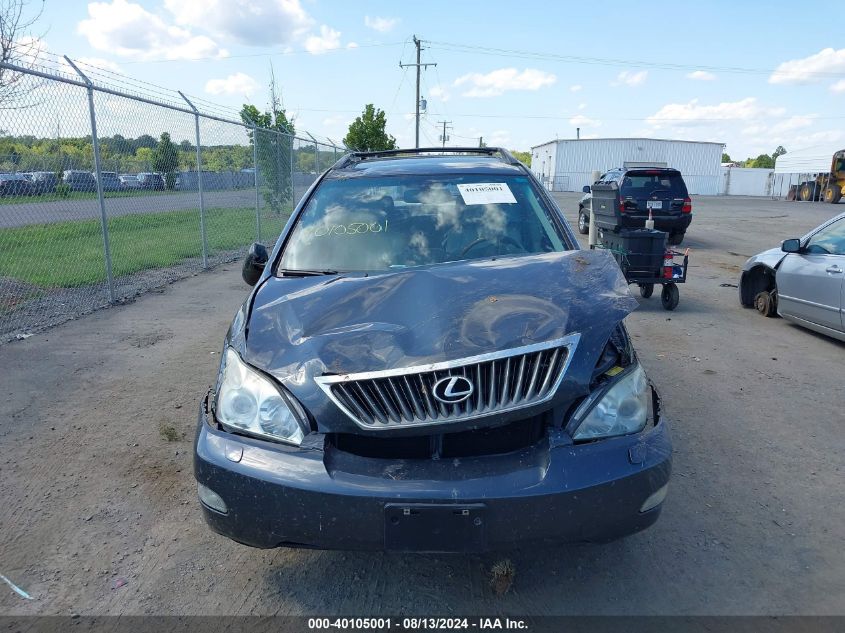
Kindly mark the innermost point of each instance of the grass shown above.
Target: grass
(70, 254)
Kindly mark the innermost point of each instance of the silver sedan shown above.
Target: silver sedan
(802, 281)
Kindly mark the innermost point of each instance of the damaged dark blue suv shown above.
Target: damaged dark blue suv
(428, 362)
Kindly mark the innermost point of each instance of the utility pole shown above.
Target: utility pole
(481, 141)
(443, 136)
(419, 65)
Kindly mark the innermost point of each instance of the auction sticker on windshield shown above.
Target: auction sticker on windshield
(486, 193)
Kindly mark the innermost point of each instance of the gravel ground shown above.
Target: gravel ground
(99, 514)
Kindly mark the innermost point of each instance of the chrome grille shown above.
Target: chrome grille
(502, 381)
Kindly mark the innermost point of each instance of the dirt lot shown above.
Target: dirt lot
(99, 516)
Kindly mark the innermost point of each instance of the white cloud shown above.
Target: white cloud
(701, 75)
(250, 22)
(382, 25)
(582, 106)
(333, 120)
(808, 69)
(439, 92)
(630, 78)
(798, 122)
(576, 88)
(129, 30)
(498, 138)
(352, 45)
(237, 84)
(500, 81)
(579, 120)
(327, 40)
(839, 86)
(694, 114)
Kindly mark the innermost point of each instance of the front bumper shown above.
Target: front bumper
(554, 492)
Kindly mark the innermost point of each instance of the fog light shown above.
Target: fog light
(211, 499)
(655, 499)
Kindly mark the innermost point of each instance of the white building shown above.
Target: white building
(803, 164)
(568, 164)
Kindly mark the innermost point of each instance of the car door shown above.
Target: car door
(810, 282)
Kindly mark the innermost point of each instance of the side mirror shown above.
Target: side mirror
(586, 189)
(791, 246)
(254, 262)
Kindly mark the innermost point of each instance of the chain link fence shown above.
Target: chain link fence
(108, 191)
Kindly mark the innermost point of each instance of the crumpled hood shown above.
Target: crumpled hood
(300, 328)
(770, 258)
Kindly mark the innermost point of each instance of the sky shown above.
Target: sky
(751, 75)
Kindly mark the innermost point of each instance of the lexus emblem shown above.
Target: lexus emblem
(452, 389)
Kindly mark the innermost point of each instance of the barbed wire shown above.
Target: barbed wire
(108, 81)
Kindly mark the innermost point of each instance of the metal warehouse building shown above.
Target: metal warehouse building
(568, 164)
(803, 164)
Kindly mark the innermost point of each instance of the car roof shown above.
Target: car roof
(669, 170)
(434, 161)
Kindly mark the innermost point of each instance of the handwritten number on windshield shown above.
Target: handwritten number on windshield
(354, 228)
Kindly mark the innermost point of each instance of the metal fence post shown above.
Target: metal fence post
(199, 182)
(257, 196)
(334, 148)
(103, 219)
(292, 185)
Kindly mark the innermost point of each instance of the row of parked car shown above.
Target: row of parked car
(45, 182)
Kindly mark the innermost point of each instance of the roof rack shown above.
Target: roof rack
(356, 157)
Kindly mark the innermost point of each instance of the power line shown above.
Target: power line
(602, 61)
(565, 117)
(302, 51)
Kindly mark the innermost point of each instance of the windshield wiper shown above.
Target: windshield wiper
(287, 272)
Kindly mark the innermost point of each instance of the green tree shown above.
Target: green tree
(726, 158)
(780, 151)
(305, 159)
(523, 157)
(763, 161)
(165, 160)
(366, 132)
(273, 140)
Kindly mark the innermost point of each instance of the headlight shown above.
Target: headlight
(621, 410)
(246, 401)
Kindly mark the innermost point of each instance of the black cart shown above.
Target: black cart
(645, 260)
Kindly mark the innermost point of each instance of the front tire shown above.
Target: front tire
(808, 192)
(833, 194)
(646, 290)
(767, 303)
(583, 223)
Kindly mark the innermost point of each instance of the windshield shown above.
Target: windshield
(643, 184)
(396, 222)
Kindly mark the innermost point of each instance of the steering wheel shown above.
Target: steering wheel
(505, 239)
